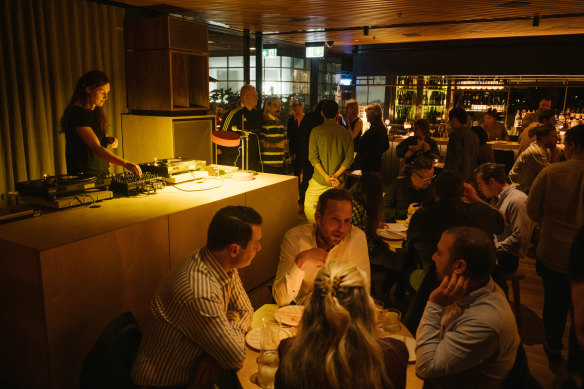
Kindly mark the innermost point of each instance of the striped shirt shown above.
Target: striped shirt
(198, 308)
(528, 165)
(273, 133)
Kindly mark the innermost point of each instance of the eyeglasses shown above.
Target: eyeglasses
(425, 179)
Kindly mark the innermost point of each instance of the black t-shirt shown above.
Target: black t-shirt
(80, 159)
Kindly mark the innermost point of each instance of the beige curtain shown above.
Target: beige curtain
(45, 46)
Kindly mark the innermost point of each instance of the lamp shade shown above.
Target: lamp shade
(225, 138)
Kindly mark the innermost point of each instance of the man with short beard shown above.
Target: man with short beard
(306, 248)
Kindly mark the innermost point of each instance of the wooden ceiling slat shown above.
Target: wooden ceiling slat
(271, 16)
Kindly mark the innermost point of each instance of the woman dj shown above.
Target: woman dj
(85, 127)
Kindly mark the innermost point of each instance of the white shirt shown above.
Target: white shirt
(293, 283)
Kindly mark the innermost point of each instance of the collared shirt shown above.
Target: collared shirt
(332, 146)
(293, 283)
(400, 195)
(273, 133)
(528, 165)
(518, 227)
(198, 308)
(556, 200)
(527, 137)
(477, 343)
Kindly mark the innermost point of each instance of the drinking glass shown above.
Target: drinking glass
(378, 311)
(270, 335)
(267, 366)
(392, 320)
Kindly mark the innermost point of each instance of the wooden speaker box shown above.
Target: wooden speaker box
(167, 65)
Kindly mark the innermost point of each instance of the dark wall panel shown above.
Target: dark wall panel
(534, 55)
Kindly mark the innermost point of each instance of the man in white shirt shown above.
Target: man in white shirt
(468, 332)
(306, 248)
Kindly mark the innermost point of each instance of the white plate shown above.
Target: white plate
(253, 337)
(395, 227)
(410, 344)
(289, 315)
(391, 235)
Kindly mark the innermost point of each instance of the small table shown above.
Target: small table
(250, 366)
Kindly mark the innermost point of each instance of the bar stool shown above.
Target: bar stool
(515, 278)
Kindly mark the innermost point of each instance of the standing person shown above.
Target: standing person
(513, 242)
(354, 123)
(545, 103)
(249, 118)
(418, 144)
(494, 129)
(373, 143)
(463, 145)
(536, 157)
(200, 313)
(555, 187)
(331, 154)
(337, 345)
(273, 137)
(85, 126)
(468, 332)
(546, 118)
(292, 130)
(486, 152)
(367, 201)
(311, 120)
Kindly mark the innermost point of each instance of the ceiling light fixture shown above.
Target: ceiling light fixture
(515, 4)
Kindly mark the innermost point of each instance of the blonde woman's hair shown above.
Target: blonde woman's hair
(336, 346)
(374, 114)
(354, 103)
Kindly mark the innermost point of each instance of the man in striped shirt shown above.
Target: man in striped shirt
(200, 313)
(274, 137)
(532, 161)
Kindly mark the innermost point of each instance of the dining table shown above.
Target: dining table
(247, 374)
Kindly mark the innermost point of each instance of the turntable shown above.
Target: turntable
(173, 170)
(57, 186)
(64, 191)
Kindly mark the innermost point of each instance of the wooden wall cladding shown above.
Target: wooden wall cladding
(166, 32)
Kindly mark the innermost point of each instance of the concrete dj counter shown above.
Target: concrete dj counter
(65, 275)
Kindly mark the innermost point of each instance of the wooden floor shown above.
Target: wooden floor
(532, 333)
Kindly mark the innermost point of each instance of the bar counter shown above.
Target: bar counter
(66, 274)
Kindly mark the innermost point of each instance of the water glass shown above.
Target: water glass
(267, 366)
(270, 339)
